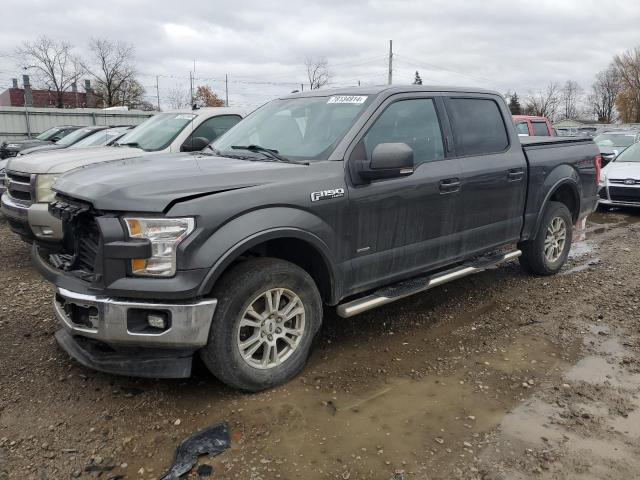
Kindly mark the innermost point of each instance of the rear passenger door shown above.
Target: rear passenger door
(494, 172)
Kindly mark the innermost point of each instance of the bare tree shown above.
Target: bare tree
(178, 97)
(570, 97)
(130, 93)
(111, 66)
(317, 72)
(628, 69)
(54, 63)
(544, 103)
(604, 92)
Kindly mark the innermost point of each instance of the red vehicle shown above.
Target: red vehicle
(532, 126)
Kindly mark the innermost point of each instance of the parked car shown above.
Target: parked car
(11, 148)
(65, 142)
(29, 178)
(105, 137)
(530, 125)
(620, 180)
(613, 142)
(3, 167)
(352, 198)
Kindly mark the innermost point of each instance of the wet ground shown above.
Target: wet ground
(496, 376)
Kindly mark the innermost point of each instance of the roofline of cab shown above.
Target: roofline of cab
(387, 89)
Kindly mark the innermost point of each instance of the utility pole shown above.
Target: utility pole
(158, 92)
(390, 62)
(226, 90)
(191, 87)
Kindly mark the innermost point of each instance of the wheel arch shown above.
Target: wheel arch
(254, 235)
(565, 191)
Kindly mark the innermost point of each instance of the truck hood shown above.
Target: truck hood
(60, 161)
(41, 148)
(622, 170)
(151, 183)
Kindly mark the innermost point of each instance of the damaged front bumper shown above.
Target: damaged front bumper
(149, 339)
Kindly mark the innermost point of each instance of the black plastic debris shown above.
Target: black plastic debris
(211, 441)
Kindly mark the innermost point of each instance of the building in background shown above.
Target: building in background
(18, 97)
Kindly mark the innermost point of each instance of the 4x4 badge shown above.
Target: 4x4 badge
(327, 194)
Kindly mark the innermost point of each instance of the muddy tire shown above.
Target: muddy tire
(268, 313)
(548, 251)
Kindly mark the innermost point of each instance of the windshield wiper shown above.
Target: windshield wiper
(268, 152)
(129, 144)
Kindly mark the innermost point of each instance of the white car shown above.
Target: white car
(29, 178)
(620, 180)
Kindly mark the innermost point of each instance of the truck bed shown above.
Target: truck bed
(551, 141)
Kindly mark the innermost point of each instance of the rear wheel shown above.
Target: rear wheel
(548, 251)
(268, 313)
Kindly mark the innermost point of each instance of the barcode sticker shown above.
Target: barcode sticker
(347, 99)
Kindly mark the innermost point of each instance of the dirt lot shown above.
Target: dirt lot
(497, 376)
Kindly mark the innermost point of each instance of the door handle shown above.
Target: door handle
(515, 175)
(450, 185)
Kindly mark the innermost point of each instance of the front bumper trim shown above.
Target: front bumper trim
(130, 362)
(108, 318)
(14, 208)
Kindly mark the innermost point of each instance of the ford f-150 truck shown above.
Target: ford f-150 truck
(347, 198)
(28, 179)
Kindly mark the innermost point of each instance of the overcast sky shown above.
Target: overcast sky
(262, 44)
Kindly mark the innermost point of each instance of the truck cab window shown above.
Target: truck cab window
(213, 127)
(522, 128)
(414, 122)
(478, 126)
(540, 129)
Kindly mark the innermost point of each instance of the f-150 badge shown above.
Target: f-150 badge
(327, 194)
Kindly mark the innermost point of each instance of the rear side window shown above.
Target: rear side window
(522, 128)
(478, 127)
(540, 129)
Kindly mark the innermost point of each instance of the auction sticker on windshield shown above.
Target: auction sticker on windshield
(347, 99)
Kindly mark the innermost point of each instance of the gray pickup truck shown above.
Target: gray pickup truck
(350, 198)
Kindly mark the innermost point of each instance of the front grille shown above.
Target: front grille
(622, 194)
(19, 186)
(87, 244)
(624, 181)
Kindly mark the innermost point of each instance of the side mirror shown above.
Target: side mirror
(388, 160)
(195, 144)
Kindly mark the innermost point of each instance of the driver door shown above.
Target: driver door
(402, 226)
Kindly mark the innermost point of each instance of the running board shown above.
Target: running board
(420, 284)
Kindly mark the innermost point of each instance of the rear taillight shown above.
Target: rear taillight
(597, 163)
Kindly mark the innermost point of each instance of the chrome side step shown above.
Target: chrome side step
(420, 284)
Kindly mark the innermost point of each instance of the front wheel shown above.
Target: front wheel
(548, 251)
(268, 313)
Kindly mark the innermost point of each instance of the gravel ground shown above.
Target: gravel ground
(496, 376)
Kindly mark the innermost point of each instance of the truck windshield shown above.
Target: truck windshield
(614, 140)
(74, 137)
(103, 137)
(157, 132)
(631, 154)
(47, 134)
(296, 128)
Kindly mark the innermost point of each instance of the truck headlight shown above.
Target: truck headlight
(13, 145)
(44, 194)
(165, 234)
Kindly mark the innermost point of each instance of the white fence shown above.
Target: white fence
(18, 122)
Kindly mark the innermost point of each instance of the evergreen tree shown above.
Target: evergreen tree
(417, 80)
(514, 105)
